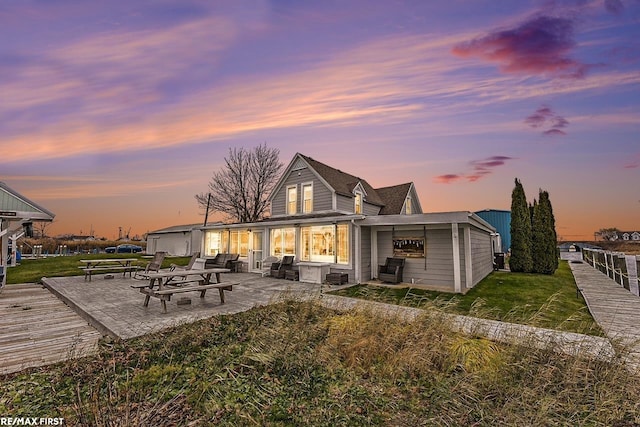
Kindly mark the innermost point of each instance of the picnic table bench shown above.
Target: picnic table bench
(107, 265)
(163, 285)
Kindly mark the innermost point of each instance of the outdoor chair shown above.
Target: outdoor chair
(189, 266)
(152, 266)
(266, 265)
(279, 269)
(222, 260)
(391, 271)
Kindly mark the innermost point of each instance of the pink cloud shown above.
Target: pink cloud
(539, 46)
(447, 179)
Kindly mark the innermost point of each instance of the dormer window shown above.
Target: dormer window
(292, 200)
(407, 206)
(358, 203)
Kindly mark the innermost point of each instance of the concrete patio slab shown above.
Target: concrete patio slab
(114, 308)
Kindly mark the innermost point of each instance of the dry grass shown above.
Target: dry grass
(297, 363)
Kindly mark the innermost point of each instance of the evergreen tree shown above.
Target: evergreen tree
(544, 238)
(520, 260)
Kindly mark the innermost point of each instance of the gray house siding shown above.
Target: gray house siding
(439, 259)
(481, 255)
(365, 253)
(347, 204)
(370, 209)
(322, 200)
(344, 203)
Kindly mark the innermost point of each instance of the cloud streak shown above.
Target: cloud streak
(541, 45)
(478, 170)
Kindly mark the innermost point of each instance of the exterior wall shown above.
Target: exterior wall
(347, 204)
(481, 255)
(177, 244)
(322, 196)
(415, 205)
(365, 254)
(439, 259)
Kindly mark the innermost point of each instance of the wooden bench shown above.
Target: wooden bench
(88, 271)
(165, 294)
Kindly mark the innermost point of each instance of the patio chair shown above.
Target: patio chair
(391, 271)
(152, 266)
(189, 266)
(266, 265)
(279, 269)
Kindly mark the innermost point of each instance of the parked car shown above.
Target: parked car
(123, 249)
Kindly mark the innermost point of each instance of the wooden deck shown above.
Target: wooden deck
(613, 307)
(37, 329)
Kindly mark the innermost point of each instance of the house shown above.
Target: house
(332, 221)
(179, 240)
(631, 235)
(17, 215)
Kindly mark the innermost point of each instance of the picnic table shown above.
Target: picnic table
(164, 284)
(105, 265)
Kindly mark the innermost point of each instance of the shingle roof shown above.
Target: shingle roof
(342, 182)
(393, 198)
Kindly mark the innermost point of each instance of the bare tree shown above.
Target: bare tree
(40, 228)
(241, 188)
(608, 233)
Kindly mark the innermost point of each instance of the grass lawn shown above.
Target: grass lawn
(32, 270)
(547, 301)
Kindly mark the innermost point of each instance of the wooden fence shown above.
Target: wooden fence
(614, 265)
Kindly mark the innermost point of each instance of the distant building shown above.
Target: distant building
(501, 221)
(17, 215)
(179, 240)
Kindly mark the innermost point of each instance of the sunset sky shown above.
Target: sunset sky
(115, 113)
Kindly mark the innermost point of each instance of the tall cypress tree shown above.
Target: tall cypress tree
(520, 260)
(544, 238)
(553, 235)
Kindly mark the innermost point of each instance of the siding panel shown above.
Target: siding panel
(321, 194)
(439, 258)
(481, 255)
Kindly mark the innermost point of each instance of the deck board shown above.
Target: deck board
(36, 329)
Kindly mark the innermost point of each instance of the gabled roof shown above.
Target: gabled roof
(394, 198)
(15, 204)
(342, 182)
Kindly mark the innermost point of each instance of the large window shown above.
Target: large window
(239, 242)
(325, 243)
(292, 200)
(283, 242)
(307, 198)
(215, 242)
(358, 203)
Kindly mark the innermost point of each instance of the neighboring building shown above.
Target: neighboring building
(633, 236)
(17, 215)
(501, 221)
(332, 221)
(179, 240)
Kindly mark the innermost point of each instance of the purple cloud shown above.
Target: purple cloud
(614, 6)
(539, 46)
(479, 169)
(546, 117)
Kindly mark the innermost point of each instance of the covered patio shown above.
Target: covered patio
(114, 308)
